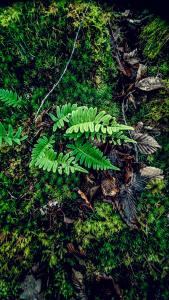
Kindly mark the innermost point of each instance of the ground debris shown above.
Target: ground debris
(141, 72)
(109, 187)
(151, 173)
(131, 57)
(84, 197)
(78, 282)
(146, 144)
(149, 84)
(31, 288)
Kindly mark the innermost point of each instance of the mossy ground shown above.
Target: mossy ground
(36, 41)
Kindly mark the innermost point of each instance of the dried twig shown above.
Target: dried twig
(67, 64)
(125, 121)
(115, 51)
(84, 197)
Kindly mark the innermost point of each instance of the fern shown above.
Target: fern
(120, 138)
(43, 144)
(95, 125)
(84, 120)
(44, 157)
(10, 98)
(8, 137)
(91, 156)
(80, 123)
(62, 115)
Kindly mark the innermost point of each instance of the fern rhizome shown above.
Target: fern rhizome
(84, 128)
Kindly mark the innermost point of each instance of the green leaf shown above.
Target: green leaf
(11, 98)
(91, 156)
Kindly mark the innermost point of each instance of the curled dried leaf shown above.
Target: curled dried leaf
(146, 144)
(84, 197)
(131, 57)
(141, 72)
(151, 173)
(109, 187)
(149, 84)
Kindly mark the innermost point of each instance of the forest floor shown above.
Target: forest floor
(101, 235)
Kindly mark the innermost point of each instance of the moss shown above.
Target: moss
(162, 68)
(155, 36)
(37, 45)
(102, 226)
(36, 41)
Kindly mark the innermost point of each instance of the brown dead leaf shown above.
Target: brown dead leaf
(84, 197)
(149, 84)
(72, 250)
(141, 72)
(128, 173)
(151, 173)
(109, 187)
(131, 57)
(146, 144)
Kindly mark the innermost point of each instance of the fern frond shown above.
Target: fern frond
(39, 149)
(62, 115)
(8, 136)
(44, 157)
(10, 98)
(120, 138)
(91, 156)
(87, 121)
(89, 115)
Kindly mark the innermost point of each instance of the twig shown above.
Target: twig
(115, 51)
(67, 64)
(125, 121)
(84, 197)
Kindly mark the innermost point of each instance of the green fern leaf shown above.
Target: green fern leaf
(87, 121)
(39, 149)
(62, 115)
(8, 136)
(91, 157)
(10, 98)
(44, 157)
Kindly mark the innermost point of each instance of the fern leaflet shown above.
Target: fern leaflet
(97, 125)
(44, 157)
(91, 156)
(10, 98)
(8, 137)
(62, 115)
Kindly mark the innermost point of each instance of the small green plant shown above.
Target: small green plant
(82, 125)
(10, 98)
(91, 156)
(9, 136)
(44, 157)
(88, 122)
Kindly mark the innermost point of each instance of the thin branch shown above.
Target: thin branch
(125, 122)
(66, 67)
(115, 50)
